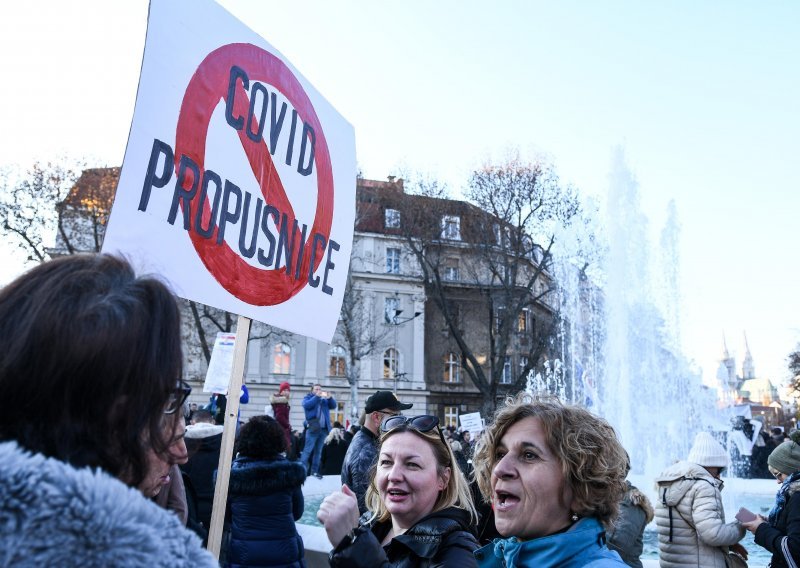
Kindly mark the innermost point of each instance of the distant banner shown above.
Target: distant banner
(238, 184)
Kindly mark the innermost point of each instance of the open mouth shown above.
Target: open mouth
(396, 494)
(504, 501)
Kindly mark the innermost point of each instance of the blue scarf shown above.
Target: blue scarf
(782, 497)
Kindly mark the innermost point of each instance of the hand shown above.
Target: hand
(738, 548)
(753, 525)
(338, 513)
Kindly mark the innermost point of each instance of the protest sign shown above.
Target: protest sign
(237, 188)
(238, 184)
(221, 364)
(471, 422)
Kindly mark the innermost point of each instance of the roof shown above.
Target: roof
(94, 189)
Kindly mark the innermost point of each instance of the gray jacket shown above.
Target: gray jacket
(626, 534)
(52, 514)
(358, 462)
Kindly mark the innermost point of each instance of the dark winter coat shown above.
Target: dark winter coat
(625, 535)
(783, 539)
(280, 408)
(52, 514)
(203, 442)
(264, 502)
(333, 457)
(358, 460)
(442, 539)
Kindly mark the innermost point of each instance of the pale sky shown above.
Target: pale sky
(702, 95)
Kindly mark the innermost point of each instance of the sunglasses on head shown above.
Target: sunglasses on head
(423, 423)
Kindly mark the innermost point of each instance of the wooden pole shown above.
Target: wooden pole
(228, 437)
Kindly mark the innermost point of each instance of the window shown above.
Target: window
(336, 367)
(390, 357)
(337, 414)
(452, 369)
(524, 320)
(506, 377)
(391, 307)
(281, 359)
(451, 227)
(450, 416)
(499, 316)
(496, 231)
(523, 362)
(451, 269)
(391, 219)
(393, 260)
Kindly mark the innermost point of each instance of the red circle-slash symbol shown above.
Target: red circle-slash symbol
(209, 85)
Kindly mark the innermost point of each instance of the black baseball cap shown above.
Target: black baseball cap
(385, 399)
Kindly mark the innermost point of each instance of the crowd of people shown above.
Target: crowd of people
(103, 469)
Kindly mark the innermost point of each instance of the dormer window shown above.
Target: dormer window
(451, 227)
(391, 219)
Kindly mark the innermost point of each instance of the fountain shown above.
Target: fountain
(620, 348)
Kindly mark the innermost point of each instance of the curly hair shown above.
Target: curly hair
(593, 461)
(456, 494)
(262, 438)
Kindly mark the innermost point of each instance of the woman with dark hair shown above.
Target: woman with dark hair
(90, 381)
(265, 498)
(555, 475)
(779, 532)
(420, 511)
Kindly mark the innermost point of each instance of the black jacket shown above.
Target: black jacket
(442, 539)
(783, 538)
(333, 457)
(200, 469)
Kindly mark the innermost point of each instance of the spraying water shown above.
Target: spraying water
(620, 349)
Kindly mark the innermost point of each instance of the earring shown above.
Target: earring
(574, 517)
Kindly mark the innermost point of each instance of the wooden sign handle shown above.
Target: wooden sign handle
(228, 436)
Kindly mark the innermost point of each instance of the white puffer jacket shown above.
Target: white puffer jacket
(691, 496)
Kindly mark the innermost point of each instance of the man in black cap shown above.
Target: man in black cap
(363, 449)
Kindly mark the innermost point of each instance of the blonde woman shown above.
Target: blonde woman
(419, 506)
(333, 452)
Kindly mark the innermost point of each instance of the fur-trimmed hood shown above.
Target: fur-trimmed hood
(261, 477)
(639, 499)
(202, 430)
(52, 514)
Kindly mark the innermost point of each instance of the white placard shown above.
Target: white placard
(471, 422)
(221, 364)
(238, 184)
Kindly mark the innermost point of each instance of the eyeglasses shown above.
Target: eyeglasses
(423, 423)
(177, 397)
(776, 474)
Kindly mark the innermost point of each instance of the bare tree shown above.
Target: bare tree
(360, 335)
(502, 240)
(29, 205)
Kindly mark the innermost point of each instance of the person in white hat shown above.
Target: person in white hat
(690, 519)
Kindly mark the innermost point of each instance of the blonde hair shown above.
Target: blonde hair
(455, 494)
(593, 461)
(335, 434)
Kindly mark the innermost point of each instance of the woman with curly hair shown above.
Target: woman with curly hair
(265, 499)
(555, 475)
